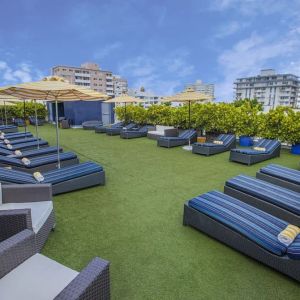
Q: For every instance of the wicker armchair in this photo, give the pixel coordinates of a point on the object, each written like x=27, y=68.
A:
x=26, y=274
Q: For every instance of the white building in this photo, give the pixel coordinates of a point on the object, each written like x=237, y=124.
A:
x=270, y=89
x=205, y=88
x=120, y=85
x=148, y=97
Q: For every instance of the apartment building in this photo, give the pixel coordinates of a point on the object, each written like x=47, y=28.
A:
x=205, y=88
x=120, y=85
x=90, y=75
x=148, y=97
x=270, y=89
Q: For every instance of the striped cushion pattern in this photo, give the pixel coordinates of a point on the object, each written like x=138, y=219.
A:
x=293, y=250
x=187, y=134
x=21, y=141
x=3, y=127
x=17, y=135
x=227, y=139
x=269, y=145
x=258, y=226
x=13, y=176
x=6, y=151
x=71, y=172
x=281, y=172
x=272, y=193
x=25, y=145
x=48, y=159
x=36, y=152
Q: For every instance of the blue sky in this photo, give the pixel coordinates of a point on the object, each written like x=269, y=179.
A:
x=158, y=44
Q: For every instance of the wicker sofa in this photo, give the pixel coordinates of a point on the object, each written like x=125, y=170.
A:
x=26, y=274
x=27, y=206
x=162, y=131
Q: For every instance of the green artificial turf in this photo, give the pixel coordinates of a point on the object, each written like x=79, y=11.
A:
x=135, y=222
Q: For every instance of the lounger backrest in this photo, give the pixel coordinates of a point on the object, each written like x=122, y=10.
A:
x=5, y=151
x=14, y=176
x=144, y=128
x=130, y=126
x=269, y=145
x=269, y=192
x=226, y=138
x=187, y=134
x=282, y=172
x=116, y=125
x=34, y=152
x=260, y=227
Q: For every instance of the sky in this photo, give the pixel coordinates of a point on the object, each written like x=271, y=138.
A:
x=159, y=44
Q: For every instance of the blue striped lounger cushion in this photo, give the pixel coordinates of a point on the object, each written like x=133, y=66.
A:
x=281, y=172
x=37, y=161
x=35, y=152
x=272, y=193
x=269, y=145
x=25, y=145
x=258, y=226
x=55, y=176
x=293, y=250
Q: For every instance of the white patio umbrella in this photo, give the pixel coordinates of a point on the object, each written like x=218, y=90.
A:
x=125, y=99
x=52, y=88
x=189, y=95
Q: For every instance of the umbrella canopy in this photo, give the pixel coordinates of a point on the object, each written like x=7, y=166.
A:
x=188, y=95
x=52, y=88
x=124, y=99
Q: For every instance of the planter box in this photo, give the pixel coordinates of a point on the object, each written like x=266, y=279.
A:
x=295, y=149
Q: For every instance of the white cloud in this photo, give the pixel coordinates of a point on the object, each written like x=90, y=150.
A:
x=161, y=75
x=106, y=50
x=250, y=55
x=22, y=72
x=230, y=28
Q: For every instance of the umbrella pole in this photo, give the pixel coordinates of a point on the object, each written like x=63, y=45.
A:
x=24, y=115
x=2, y=115
x=57, y=136
x=5, y=113
x=36, y=125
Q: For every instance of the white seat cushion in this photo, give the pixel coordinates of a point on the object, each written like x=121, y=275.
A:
x=38, y=278
x=161, y=128
x=156, y=133
x=40, y=211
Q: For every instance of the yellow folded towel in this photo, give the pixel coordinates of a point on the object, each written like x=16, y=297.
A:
x=288, y=235
x=218, y=142
x=6, y=141
x=9, y=146
x=25, y=161
x=259, y=148
x=18, y=153
x=38, y=176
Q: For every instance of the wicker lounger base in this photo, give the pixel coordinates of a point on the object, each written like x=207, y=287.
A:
x=272, y=179
x=264, y=205
x=171, y=143
x=132, y=135
x=79, y=183
x=101, y=129
x=45, y=168
x=250, y=159
x=203, y=150
x=239, y=242
x=113, y=132
x=10, y=130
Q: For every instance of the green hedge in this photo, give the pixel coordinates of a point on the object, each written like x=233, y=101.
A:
x=244, y=119
x=17, y=111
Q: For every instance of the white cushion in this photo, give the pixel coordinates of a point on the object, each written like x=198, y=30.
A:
x=156, y=133
x=161, y=128
x=40, y=211
x=38, y=278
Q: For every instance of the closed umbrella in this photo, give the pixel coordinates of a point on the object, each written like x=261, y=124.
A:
x=52, y=88
x=189, y=95
x=125, y=99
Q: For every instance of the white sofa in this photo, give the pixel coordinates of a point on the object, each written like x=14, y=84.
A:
x=162, y=131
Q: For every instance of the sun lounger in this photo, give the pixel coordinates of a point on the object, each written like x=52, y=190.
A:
x=27, y=206
x=16, y=135
x=140, y=131
x=223, y=143
x=245, y=228
x=38, y=122
x=26, y=274
x=30, y=153
x=63, y=180
x=102, y=129
x=19, y=122
x=117, y=130
x=18, y=141
x=280, y=175
x=24, y=146
x=42, y=164
x=182, y=139
x=262, y=150
x=91, y=125
x=271, y=198
x=8, y=128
